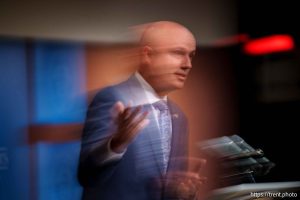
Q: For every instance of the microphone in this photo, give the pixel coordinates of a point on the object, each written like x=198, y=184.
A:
x=256, y=154
x=236, y=157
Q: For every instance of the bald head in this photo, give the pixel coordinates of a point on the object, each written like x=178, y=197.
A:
x=158, y=33
x=167, y=49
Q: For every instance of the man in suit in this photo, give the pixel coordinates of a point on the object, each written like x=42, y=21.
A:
x=135, y=138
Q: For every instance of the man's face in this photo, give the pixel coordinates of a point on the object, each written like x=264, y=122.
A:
x=170, y=61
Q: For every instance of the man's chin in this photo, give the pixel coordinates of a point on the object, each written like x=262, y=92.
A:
x=173, y=87
x=179, y=85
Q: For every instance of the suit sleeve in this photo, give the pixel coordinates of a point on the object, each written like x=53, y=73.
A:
x=95, y=161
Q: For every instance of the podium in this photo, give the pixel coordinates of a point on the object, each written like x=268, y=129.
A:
x=239, y=162
x=272, y=190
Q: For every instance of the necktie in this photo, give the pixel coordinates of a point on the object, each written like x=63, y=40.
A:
x=164, y=121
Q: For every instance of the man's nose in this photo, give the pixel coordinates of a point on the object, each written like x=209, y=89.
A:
x=187, y=63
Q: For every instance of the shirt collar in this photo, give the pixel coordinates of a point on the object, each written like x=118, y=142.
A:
x=149, y=91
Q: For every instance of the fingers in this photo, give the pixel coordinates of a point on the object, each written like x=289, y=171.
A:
x=117, y=108
x=134, y=122
x=189, y=179
x=130, y=121
x=185, y=187
x=195, y=164
x=133, y=113
x=137, y=124
x=189, y=175
x=119, y=111
x=129, y=114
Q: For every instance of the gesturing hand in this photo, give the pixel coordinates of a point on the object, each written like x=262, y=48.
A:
x=185, y=185
x=129, y=121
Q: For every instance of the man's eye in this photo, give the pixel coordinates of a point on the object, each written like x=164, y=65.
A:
x=178, y=52
x=192, y=55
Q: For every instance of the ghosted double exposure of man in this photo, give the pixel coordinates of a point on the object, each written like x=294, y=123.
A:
x=134, y=135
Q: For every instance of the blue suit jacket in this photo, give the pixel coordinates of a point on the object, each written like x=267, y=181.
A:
x=138, y=173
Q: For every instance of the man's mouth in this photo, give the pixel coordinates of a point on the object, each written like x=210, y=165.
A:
x=181, y=75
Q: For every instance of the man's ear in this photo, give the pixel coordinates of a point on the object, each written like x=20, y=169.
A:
x=147, y=52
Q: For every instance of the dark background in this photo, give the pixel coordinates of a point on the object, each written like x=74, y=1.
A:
x=273, y=124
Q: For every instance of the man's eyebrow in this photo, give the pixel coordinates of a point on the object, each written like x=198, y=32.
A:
x=183, y=49
x=180, y=48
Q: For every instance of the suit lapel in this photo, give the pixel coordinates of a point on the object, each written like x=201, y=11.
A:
x=152, y=133
x=148, y=141
x=178, y=135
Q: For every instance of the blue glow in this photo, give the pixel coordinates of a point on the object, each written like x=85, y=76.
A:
x=14, y=173
x=57, y=171
x=59, y=82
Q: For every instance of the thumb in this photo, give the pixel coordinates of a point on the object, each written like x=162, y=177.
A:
x=117, y=109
